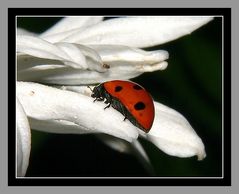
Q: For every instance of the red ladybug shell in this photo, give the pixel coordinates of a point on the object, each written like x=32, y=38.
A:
x=134, y=98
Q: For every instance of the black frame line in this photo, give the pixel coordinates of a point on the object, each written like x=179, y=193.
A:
x=119, y=181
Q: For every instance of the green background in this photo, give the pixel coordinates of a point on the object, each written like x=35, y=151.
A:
x=191, y=84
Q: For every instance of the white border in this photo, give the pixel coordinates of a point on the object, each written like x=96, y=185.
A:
x=137, y=177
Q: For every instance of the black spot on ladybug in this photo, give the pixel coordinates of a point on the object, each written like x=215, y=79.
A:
x=139, y=106
x=118, y=88
x=137, y=87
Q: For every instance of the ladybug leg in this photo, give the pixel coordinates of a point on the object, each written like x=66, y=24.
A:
x=124, y=111
x=107, y=106
x=98, y=99
x=108, y=101
x=125, y=117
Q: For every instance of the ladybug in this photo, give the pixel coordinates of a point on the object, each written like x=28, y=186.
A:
x=130, y=99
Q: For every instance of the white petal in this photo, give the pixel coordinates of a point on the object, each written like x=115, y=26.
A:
x=57, y=126
x=78, y=89
x=173, y=134
x=45, y=103
x=82, y=57
x=69, y=25
x=23, y=140
x=124, y=146
x=116, y=54
x=134, y=148
x=124, y=62
x=39, y=48
x=45, y=53
x=116, y=143
x=69, y=76
x=140, y=150
x=30, y=63
x=21, y=31
x=139, y=31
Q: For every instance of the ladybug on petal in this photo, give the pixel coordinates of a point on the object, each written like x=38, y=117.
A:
x=130, y=99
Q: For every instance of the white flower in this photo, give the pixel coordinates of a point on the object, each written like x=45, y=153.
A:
x=87, y=50
x=23, y=140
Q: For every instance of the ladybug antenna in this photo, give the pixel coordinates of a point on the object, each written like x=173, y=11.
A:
x=90, y=88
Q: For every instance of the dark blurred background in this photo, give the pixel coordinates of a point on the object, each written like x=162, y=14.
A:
x=191, y=84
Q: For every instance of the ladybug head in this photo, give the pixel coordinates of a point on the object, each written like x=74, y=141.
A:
x=97, y=91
